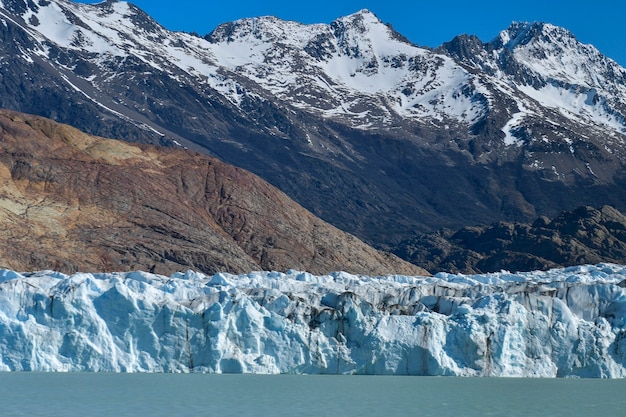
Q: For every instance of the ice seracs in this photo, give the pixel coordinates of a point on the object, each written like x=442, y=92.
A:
x=565, y=322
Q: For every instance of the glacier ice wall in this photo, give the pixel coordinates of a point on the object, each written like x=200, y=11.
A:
x=565, y=322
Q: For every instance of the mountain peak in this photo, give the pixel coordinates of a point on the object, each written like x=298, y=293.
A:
x=95, y=27
x=523, y=33
x=274, y=28
x=556, y=54
x=363, y=33
x=363, y=21
x=264, y=28
x=363, y=15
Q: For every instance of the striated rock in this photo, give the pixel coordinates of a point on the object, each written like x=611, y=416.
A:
x=70, y=201
x=584, y=235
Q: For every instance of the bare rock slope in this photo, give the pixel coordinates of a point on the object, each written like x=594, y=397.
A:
x=70, y=201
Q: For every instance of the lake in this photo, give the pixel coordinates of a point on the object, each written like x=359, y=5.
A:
x=155, y=395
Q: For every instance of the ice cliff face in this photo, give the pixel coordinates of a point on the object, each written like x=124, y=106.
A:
x=567, y=322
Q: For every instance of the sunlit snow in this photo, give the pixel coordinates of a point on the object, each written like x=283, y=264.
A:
x=573, y=104
x=354, y=69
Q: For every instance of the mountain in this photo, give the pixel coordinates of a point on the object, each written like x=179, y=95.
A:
x=582, y=236
x=75, y=202
x=559, y=323
x=382, y=138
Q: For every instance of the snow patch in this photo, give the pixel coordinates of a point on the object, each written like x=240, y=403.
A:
x=515, y=121
x=576, y=104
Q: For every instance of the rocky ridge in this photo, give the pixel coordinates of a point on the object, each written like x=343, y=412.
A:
x=71, y=201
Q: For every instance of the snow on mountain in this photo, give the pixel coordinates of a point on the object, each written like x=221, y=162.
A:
x=561, y=73
x=350, y=62
x=565, y=322
x=554, y=53
x=112, y=31
x=356, y=69
x=352, y=69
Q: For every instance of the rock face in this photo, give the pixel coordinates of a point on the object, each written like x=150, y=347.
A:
x=380, y=137
x=561, y=323
x=582, y=236
x=70, y=201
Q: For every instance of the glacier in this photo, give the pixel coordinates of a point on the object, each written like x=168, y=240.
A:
x=560, y=323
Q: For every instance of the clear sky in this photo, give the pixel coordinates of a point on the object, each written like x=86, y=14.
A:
x=424, y=22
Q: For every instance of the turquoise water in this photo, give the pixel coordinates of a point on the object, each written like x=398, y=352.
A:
x=154, y=395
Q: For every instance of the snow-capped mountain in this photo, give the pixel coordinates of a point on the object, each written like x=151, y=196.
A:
x=356, y=70
x=553, y=76
x=560, y=323
x=376, y=135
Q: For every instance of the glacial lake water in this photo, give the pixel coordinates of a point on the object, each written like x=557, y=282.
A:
x=156, y=395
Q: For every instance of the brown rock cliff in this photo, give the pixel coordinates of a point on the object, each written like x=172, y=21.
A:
x=70, y=201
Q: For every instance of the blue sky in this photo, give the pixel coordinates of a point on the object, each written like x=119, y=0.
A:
x=424, y=22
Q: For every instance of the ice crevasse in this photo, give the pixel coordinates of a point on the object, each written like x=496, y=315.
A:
x=558, y=323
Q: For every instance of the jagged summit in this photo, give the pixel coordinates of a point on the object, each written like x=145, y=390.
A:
x=555, y=53
x=362, y=20
x=265, y=28
x=468, y=50
x=364, y=28
x=349, y=31
x=522, y=33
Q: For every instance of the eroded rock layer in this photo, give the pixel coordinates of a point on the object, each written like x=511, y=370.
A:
x=70, y=201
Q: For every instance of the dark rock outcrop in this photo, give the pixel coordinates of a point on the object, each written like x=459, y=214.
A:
x=582, y=236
